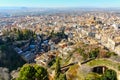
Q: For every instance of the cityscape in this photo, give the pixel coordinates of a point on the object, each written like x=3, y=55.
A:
x=60, y=40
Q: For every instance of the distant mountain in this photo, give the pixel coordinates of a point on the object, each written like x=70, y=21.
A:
x=7, y=8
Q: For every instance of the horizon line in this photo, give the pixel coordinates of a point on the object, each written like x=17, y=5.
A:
x=55, y=7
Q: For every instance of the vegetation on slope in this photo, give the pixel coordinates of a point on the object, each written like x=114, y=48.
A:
x=9, y=58
x=33, y=72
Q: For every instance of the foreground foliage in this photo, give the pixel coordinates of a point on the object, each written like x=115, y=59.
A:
x=30, y=72
x=58, y=74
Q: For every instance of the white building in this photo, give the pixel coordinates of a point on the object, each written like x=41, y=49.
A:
x=116, y=26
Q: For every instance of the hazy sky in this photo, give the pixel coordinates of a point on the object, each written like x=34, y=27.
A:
x=60, y=3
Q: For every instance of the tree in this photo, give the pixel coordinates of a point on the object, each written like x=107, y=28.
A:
x=27, y=72
x=25, y=34
x=58, y=74
x=82, y=53
x=33, y=72
x=109, y=75
x=94, y=53
x=57, y=69
x=41, y=73
x=19, y=35
x=62, y=77
x=109, y=54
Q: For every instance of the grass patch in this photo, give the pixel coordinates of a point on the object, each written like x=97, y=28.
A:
x=104, y=62
x=72, y=72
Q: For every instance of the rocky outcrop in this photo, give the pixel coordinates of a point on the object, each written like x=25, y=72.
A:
x=4, y=74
